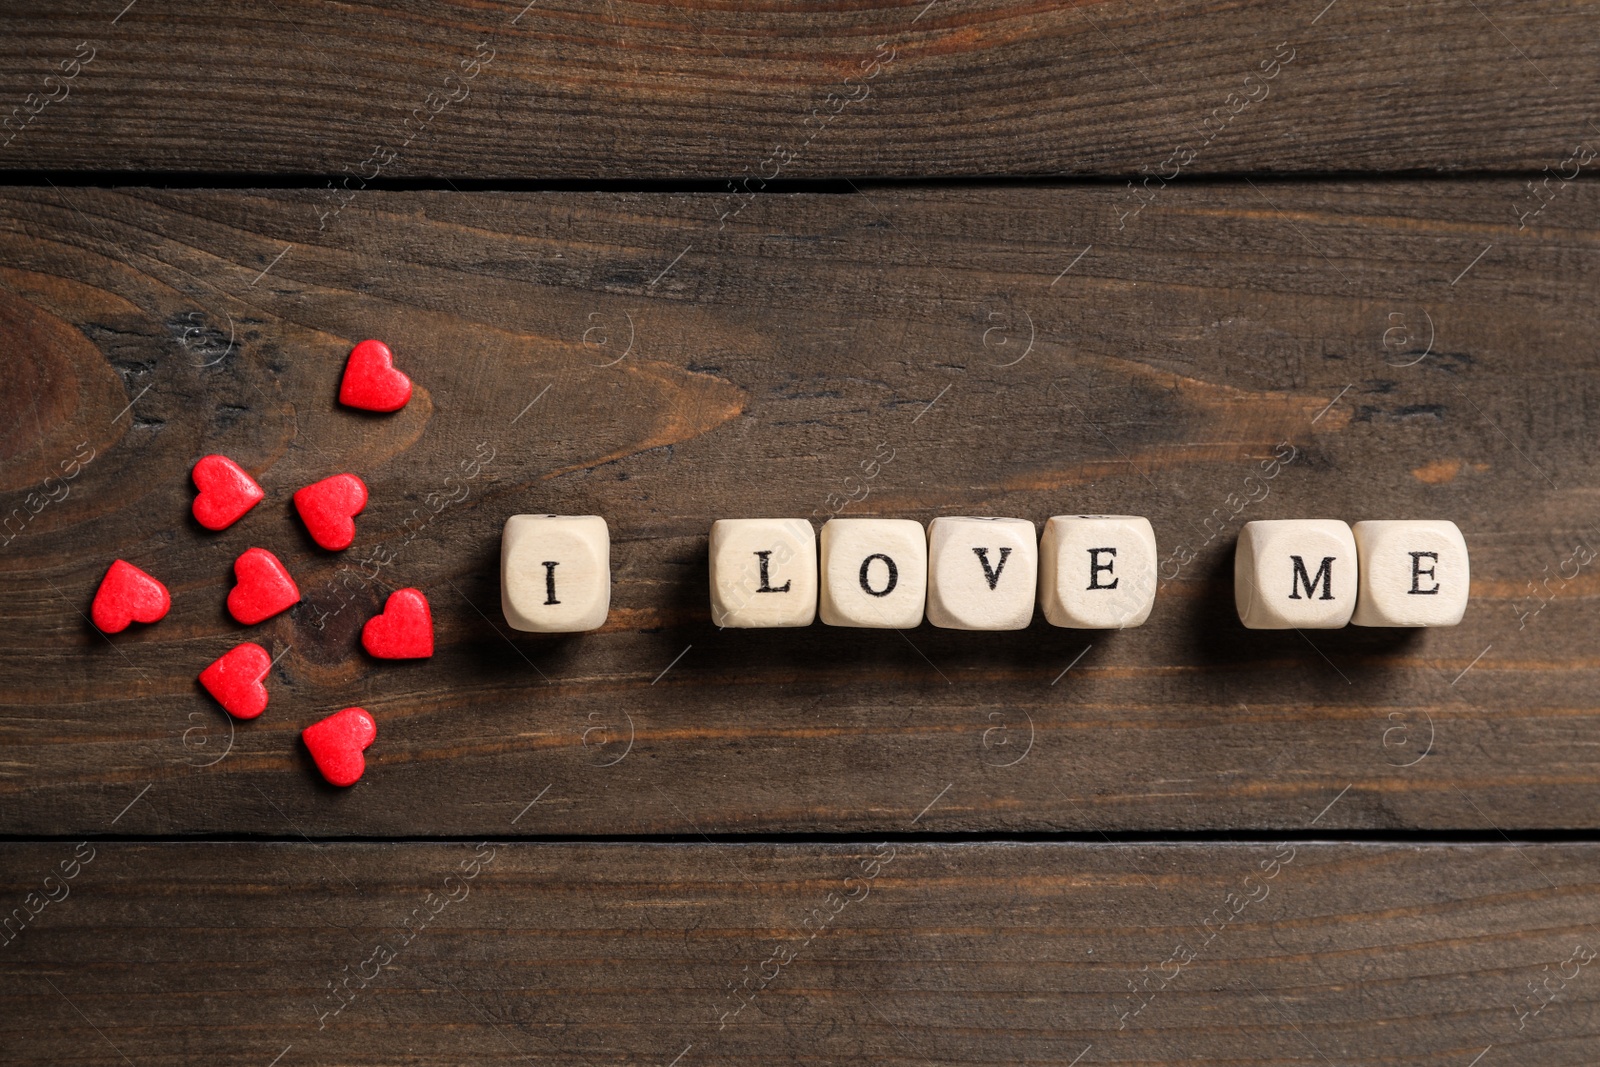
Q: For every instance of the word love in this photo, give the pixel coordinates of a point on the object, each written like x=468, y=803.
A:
x=963, y=573
x=971, y=573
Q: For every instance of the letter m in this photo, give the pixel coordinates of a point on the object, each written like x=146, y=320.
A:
x=1324, y=575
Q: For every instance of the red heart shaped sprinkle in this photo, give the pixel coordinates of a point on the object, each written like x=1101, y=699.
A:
x=127, y=594
x=264, y=587
x=235, y=679
x=226, y=492
x=328, y=508
x=370, y=380
x=404, y=630
x=336, y=744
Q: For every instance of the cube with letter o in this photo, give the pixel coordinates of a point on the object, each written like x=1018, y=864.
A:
x=874, y=573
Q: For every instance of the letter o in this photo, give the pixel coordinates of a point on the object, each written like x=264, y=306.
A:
x=894, y=575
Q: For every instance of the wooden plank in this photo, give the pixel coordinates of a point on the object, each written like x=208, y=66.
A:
x=694, y=955
x=622, y=355
x=890, y=88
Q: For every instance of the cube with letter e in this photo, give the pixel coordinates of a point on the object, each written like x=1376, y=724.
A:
x=1097, y=572
x=1413, y=573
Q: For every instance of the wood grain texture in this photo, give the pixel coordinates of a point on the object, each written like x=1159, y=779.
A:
x=703, y=89
x=1403, y=346
x=963, y=954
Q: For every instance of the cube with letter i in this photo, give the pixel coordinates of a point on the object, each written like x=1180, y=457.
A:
x=982, y=573
x=1295, y=574
x=763, y=572
x=555, y=572
x=1413, y=573
x=874, y=573
x=1097, y=572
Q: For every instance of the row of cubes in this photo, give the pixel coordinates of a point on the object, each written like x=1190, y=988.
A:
x=1095, y=572
x=969, y=573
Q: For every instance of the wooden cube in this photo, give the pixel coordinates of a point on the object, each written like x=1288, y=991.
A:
x=1413, y=573
x=763, y=572
x=1097, y=572
x=982, y=573
x=555, y=572
x=1295, y=574
x=874, y=573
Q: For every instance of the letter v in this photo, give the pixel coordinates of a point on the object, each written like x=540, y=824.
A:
x=992, y=575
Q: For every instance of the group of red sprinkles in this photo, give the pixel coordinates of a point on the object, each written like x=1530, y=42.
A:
x=264, y=588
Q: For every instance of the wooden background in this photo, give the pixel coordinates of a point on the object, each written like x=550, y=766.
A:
x=673, y=262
